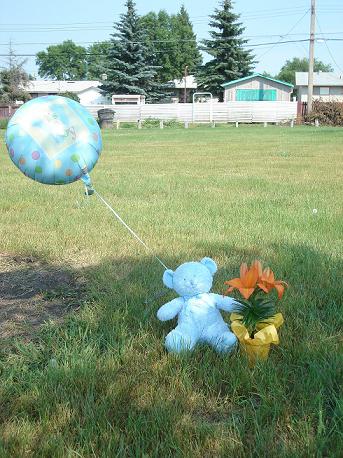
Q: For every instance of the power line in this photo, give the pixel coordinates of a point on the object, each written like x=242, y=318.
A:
x=202, y=48
x=291, y=30
x=243, y=13
x=323, y=34
x=101, y=25
x=327, y=47
x=110, y=27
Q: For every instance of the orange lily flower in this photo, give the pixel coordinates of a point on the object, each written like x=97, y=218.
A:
x=258, y=266
x=267, y=282
x=246, y=284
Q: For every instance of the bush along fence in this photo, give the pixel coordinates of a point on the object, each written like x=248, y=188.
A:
x=325, y=113
x=234, y=112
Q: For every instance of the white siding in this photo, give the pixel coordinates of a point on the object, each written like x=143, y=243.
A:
x=92, y=96
x=282, y=92
x=336, y=94
x=247, y=112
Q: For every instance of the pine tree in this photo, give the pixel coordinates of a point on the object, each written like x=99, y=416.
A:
x=230, y=60
x=14, y=80
x=128, y=67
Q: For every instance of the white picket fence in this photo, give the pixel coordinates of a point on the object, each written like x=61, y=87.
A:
x=245, y=112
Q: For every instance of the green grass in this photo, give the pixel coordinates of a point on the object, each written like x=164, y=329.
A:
x=232, y=194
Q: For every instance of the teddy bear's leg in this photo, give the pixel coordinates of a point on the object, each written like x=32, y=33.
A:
x=221, y=338
x=180, y=339
x=226, y=342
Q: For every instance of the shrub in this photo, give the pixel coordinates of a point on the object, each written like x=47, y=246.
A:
x=173, y=123
x=327, y=113
x=151, y=122
x=70, y=95
x=3, y=123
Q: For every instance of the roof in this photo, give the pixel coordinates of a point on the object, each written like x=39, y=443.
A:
x=46, y=86
x=319, y=79
x=180, y=84
x=255, y=75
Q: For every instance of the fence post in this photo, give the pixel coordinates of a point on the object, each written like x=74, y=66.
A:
x=292, y=122
x=265, y=124
x=161, y=124
x=316, y=122
x=117, y=124
x=213, y=125
x=186, y=124
x=236, y=123
x=139, y=124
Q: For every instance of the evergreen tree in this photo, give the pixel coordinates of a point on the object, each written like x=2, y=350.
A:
x=14, y=80
x=128, y=67
x=229, y=58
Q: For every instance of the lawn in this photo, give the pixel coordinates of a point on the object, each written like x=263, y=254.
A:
x=100, y=384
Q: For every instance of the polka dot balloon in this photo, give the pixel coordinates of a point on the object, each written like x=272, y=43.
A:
x=53, y=140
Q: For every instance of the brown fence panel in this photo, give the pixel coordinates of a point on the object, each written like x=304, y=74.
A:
x=6, y=111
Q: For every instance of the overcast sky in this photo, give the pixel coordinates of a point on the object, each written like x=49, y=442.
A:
x=32, y=25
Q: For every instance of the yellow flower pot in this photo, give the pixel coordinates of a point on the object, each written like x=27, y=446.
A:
x=257, y=347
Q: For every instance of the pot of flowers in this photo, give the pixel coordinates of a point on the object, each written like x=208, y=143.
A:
x=255, y=321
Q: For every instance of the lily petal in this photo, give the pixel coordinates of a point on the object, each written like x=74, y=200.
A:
x=258, y=266
x=280, y=289
x=243, y=269
x=250, y=278
x=246, y=292
x=229, y=290
x=235, y=282
x=263, y=287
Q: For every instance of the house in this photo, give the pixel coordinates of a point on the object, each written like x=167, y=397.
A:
x=257, y=87
x=176, y=88
x=128, y=99
x=326, y=86
x=87, y=91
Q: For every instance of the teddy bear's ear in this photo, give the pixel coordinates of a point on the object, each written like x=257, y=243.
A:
x=210, y=264
x=168, y=278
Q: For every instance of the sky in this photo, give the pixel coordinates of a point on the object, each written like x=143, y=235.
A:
x=32, y=25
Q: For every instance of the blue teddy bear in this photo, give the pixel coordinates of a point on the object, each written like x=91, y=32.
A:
x=199, y=318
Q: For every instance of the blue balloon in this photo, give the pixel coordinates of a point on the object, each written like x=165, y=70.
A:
x=53, y=140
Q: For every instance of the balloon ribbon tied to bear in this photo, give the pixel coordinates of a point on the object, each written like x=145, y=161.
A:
x=197, y=310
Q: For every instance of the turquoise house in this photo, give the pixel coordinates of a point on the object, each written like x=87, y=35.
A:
x=257, y=87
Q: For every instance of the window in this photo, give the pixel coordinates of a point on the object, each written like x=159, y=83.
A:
x=324, y=91
x=251, y=95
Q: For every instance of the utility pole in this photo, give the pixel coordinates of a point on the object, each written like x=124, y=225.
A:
x=185, y=90
x=311, y=57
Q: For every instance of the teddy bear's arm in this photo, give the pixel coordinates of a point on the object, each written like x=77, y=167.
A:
x=169, y=310
x=225, y=303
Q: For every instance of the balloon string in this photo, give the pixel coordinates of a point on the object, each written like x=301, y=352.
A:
x=129, y=229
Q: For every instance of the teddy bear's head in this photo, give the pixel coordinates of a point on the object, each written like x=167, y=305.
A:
x=191, y=278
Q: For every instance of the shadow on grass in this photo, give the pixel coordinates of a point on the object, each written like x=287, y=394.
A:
x=102, y=384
